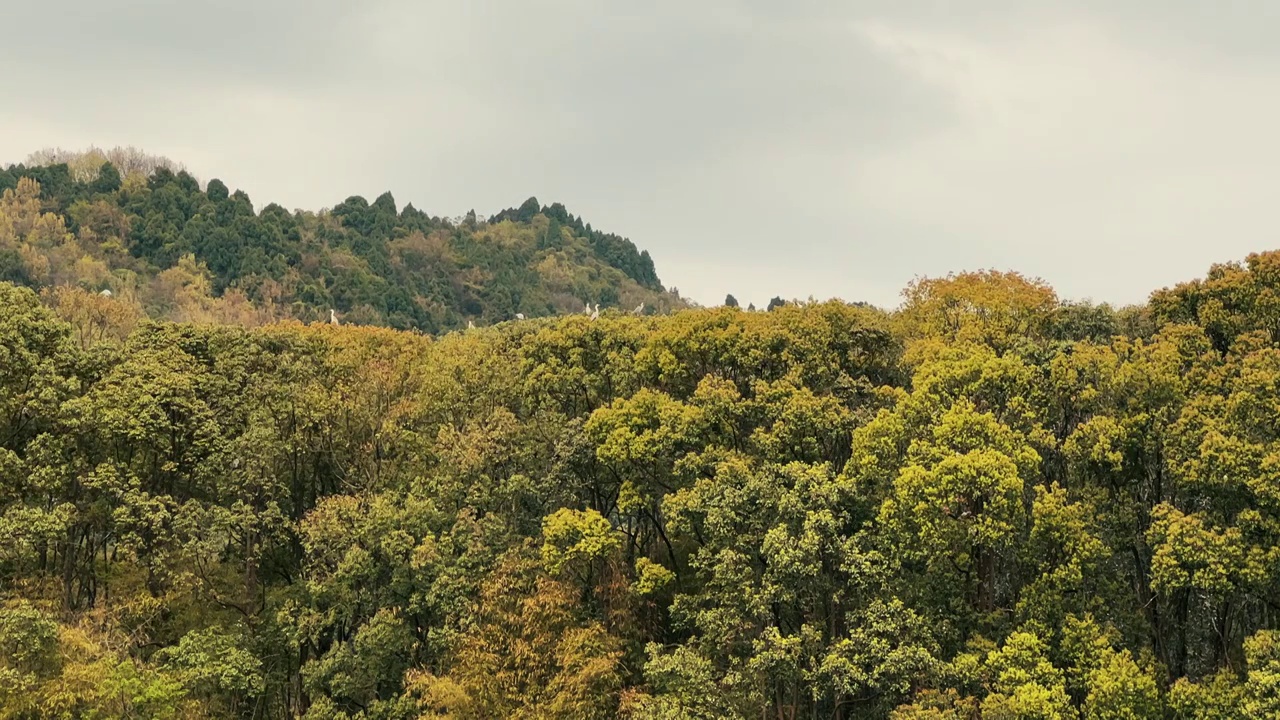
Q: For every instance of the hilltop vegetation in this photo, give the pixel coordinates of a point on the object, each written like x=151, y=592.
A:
x=144, y=229
x=990, y=504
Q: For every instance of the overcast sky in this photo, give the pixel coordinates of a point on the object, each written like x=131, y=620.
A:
x=800, y=148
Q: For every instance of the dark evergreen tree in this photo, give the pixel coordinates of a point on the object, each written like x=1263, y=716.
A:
x=528, y=210
x=108, y=180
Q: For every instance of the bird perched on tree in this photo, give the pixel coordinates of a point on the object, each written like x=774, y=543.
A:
x=587, y=310
x=105, y=293
x=471, y=325
x=333, y=317
x=519, y=316
x=639, y=309
x=595, y=314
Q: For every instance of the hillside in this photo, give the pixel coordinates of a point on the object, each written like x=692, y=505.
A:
x=144, y=229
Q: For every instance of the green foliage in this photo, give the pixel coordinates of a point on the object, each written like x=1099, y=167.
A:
x=1120, y=690
x=990, y=504
x=1024, y=684
x=576, y=537
x=28, y=639
x=214, y=662
x=1262, y=686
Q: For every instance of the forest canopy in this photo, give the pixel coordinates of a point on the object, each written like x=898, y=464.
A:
x=988, y=503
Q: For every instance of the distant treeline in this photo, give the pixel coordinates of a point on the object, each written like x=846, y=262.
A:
x=147, y=232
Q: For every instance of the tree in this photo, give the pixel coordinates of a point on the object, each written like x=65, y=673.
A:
x=217, y=190
x=1023, y=683
x=528, y=210
x=1121, y=690
x=991, y=308
x=528, y=653
x=108, y=180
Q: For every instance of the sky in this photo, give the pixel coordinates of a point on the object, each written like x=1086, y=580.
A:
x=808, y=148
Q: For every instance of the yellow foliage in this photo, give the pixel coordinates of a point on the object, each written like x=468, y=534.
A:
x=996, y=309
x=94, y=318
x=528, y=655
x=36, y=263
x=21, y=205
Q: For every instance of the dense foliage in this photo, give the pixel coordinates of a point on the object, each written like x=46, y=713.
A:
x=989, y=504
x=154, y=238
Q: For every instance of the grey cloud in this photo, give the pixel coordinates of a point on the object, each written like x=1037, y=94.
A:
x=1242, y=30
x=754, y=147
x=282, y=40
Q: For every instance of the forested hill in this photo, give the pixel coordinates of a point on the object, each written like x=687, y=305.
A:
x=144, y=229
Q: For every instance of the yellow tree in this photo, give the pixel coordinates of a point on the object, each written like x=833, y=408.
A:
x=529, y=654
x=997, y=309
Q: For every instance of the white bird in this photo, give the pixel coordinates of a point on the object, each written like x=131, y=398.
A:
x=471, y=325
x=333, y=317
x=639, y=309
x=519, y=316
x=587, y=311
x=105, y=293
x=595, y=314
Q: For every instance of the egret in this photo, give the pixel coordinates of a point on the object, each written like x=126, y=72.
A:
x=519, y=316
x=333, y=317
x=595, y=314
x=105, y=293
x=639, y=309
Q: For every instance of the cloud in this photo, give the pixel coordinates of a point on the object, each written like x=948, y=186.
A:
x=298, y=42
x=759, y=148
x=1106, y=167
